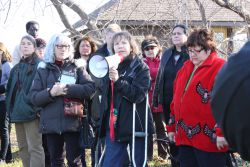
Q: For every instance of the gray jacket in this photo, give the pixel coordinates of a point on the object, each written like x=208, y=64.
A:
x=52, y=118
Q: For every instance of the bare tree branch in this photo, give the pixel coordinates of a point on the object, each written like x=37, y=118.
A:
x=202, y=11
x=239, y=9
x=8, y=11
x=63, y=17
x=78, y=8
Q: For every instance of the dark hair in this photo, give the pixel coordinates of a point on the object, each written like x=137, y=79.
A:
x=149, y=40
x=40, y=43
x=202, y=37
x=185, y=29
x=28, y=24
x=77, y=54
x=30, y=38
x=129, y=37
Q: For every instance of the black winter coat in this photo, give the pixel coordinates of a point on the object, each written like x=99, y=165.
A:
x=52, y=118
x=131, y=87
x=158, y=94
x=230, y=101
x=98, y=104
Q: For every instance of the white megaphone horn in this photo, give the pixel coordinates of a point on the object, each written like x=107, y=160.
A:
x=99, y=65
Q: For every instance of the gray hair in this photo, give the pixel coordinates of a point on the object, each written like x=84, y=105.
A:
x=112, y=28
x=49, y=55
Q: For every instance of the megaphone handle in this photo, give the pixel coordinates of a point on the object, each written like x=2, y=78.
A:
x=111, y=119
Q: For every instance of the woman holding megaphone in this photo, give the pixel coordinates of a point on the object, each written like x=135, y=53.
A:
x=131, y=82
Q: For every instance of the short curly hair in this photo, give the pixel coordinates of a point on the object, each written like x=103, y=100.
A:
x=40, y=43
x=28, y=24
x=202, y=37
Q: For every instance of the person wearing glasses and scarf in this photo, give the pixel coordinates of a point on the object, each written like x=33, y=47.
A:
x=192, y=125
x=151, y=51
x=59, y=81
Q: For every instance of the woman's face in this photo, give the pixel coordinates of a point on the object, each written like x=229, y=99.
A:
x=27, y=47
x=198, y=55
x=85, y=48
x=179, y=38
x=151, y=51
x=40, y=52
x=122, y=46
x=62, y=51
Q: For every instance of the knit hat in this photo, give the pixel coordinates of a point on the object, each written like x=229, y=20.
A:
x=230, y=101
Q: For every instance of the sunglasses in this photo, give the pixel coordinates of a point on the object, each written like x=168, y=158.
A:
x=150, y=48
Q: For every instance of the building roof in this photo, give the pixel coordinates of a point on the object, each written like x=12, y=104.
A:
x=136, y=11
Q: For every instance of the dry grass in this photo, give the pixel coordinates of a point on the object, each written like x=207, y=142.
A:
x=154, y=163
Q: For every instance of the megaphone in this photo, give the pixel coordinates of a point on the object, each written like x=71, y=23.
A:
x=99, y=65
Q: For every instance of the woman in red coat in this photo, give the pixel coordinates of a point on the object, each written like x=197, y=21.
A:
x=192, y=125
x=152, y=51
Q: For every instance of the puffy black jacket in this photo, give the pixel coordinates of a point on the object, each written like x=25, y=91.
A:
x=52, y=118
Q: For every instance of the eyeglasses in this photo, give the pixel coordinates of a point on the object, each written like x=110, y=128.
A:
x=149, y=48
x=62, y=46
x=195, y=50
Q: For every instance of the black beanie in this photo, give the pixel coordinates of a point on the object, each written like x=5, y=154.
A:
x=231, y=101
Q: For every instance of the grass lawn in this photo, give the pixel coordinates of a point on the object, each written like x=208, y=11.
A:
x=154, y=163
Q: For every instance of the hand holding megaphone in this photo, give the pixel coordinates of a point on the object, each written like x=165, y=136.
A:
x=113, y=74
x=99, y=66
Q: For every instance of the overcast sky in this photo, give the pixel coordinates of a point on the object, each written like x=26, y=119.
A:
x=13, y=29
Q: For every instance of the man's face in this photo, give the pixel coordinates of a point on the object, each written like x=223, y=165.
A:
x=33, y=30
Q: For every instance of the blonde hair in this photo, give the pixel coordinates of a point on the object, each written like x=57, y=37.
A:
x=6, y=56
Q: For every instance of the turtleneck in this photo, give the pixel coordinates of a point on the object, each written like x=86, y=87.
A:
x=59, y=63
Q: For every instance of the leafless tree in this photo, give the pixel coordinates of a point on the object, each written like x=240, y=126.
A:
x=77, y=8
x=237, y=6
x=203, y=13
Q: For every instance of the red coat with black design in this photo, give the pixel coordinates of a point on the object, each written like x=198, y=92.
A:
x=191, y=114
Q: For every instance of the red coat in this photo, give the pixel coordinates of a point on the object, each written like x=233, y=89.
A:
x=153, y=65
x=191, y=114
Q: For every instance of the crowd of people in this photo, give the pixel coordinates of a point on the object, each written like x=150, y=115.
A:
x=60, y=108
